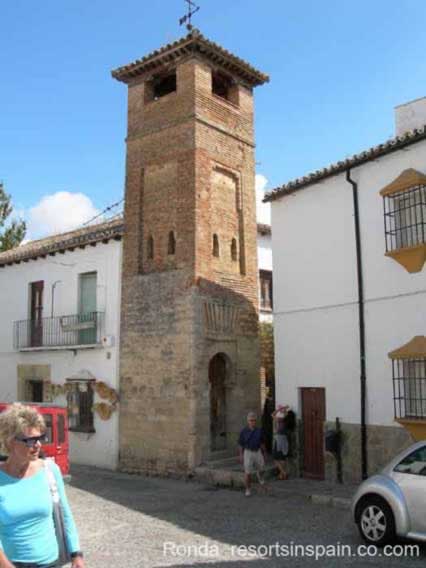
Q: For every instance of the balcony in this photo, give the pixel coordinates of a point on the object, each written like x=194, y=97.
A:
x=79, y=331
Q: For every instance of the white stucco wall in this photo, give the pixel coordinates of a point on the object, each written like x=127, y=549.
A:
x=315, y=291
x=410, y=115
x=101, y=448
x=264, y=251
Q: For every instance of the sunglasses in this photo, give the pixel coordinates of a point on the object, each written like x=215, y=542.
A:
x=32, y=441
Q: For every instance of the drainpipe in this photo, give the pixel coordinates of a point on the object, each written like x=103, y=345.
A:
x=363, y=376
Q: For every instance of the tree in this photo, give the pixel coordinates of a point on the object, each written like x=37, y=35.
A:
x=12, y=232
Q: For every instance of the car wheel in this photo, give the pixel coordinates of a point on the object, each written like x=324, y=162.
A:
x=375, y=521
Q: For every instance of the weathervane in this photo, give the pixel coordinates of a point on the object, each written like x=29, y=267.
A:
x=192, y=8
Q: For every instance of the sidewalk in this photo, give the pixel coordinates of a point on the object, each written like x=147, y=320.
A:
x=228, y=473
x=319, y=492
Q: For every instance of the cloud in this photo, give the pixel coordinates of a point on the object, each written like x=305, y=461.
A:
x=263, y=210
x=62, y=211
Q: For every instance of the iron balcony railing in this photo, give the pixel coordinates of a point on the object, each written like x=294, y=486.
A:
x=59, y=331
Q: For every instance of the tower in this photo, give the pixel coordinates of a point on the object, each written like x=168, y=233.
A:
x=189, y=310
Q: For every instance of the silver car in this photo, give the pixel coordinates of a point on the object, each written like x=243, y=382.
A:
x=393, y=502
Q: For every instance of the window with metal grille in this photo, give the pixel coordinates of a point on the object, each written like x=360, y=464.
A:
x=80, y=406
x=265, y=281
x=409, y=388
x=405, y=218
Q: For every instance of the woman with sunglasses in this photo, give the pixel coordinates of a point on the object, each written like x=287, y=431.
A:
x=27, y=532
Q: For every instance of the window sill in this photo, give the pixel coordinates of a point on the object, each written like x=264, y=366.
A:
x=415, y=426
x=226, y=101
x=83, y=430
x=152, y=101
x=411, y=258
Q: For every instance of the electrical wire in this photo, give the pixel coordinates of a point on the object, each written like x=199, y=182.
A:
x=102, y=213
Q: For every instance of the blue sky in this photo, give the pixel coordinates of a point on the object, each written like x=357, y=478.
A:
x=337, y=70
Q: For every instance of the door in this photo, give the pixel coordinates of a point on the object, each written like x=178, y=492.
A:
x=410, y=474
x=87, y=308
x=36, y=313
x=217, y=379
x=313, y=416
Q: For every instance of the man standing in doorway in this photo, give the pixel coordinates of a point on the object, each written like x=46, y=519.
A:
x=251, y=451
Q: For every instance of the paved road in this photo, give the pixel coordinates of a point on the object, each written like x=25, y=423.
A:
x=136, y=522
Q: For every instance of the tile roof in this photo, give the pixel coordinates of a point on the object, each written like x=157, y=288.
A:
x=194, y=42
x=101, y=232
x=391, y=145
x=79, y=238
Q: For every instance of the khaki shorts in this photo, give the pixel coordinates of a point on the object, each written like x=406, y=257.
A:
x=253, y=461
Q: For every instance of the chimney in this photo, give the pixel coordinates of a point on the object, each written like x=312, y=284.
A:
x=409, y=116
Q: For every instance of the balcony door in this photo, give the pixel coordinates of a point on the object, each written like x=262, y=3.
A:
x=36, y=313
x=87, y=308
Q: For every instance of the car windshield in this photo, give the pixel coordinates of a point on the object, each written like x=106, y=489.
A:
x=414, y=463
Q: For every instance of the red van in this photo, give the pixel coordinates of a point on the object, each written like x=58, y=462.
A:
x=57, y=444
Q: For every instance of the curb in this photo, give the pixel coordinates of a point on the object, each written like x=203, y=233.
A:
x=337, y=502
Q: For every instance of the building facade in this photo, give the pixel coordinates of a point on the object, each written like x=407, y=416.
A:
x=349, y=317
x=59, y=333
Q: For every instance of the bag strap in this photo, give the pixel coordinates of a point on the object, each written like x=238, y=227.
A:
x=52, y=482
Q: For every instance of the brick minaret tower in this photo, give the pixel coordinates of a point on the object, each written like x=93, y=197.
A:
x=189, y=312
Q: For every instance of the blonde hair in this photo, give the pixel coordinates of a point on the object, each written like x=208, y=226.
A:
x=15, y=419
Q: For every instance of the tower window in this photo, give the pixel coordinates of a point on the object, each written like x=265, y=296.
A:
x=171, y=247
x=150, y=252
x=216, y=246
x=224, y=87
x=234, y=249
x=160, y=86
x=265, y=281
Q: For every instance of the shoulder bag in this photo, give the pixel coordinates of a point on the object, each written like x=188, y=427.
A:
x=58, y=516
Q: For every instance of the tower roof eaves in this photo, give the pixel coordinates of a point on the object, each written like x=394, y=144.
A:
x=192, y=42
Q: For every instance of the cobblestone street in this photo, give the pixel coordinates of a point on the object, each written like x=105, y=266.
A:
x=130, y=522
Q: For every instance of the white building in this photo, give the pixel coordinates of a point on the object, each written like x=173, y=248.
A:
x=335, y=332
x=59, y=330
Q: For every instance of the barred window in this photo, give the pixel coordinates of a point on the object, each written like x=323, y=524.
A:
x=409, y=385
x=80, y=406
x=405, y=218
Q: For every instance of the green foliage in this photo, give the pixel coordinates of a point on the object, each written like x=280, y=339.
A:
x=266, y=330
x=12, y=232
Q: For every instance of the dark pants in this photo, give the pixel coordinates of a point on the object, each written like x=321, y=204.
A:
x=32, y=565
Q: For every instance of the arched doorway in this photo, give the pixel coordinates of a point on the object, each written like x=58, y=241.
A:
x=217, y=380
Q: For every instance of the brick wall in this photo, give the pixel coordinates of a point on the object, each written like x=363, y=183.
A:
x=190, y=170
